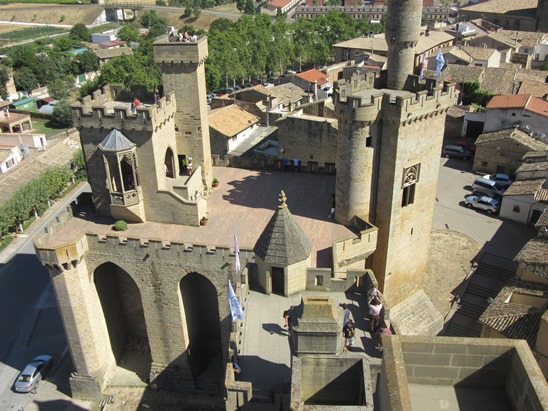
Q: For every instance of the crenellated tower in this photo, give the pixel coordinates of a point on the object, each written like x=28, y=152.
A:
x=389, y=144
x=183, y=73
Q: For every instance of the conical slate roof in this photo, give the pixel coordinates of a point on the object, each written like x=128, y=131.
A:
x=115, y=141
x=283, y=241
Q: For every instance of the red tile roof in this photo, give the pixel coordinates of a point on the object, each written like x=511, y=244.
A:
x=314, y=75
x=527, y=101
x=278, y=3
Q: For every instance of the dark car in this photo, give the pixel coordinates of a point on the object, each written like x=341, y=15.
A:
x=467, y=146
x=33, y=373
x=456, y=151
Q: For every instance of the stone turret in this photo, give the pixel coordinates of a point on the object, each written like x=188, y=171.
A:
x=403, y=24
x=282, y=253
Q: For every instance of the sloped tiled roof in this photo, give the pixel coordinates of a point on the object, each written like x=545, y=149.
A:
x=527, y=101
x=535, y=166
x=534, y=252
x=478, y=53
x=283, y=241
x=513, y=320
x=524, y=187
x=543, y=220
x=314, y=75
x=231, y=120
x=498, y=80
x=460, y=74
x=511, y=7
x=532, y=156
x=286, y=92
x=111, y=53
x=115, y=141
x=535, y=88
x=514, y=134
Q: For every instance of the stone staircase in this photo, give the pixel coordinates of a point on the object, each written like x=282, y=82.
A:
x=489, y=277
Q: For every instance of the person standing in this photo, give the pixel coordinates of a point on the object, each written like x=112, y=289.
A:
x=346, y=313
x=380, y=332
x=348, y=334
x=375, y=307
x=287, y=318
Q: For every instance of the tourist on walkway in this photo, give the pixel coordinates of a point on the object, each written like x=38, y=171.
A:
x=346, y=313
x=348, y=334
x=287, y=318
x=380, y=332
x=375, y=307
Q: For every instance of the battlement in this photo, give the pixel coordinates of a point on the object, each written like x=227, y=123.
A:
x=169, y=53
x=357, y=100
x=101, y=111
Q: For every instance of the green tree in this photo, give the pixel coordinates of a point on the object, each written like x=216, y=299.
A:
x=88, y=62
x=249, y=7
x=62, y=114
x=24, y=79
x=88, y=87
x=474, y=94
x=4, y=77
x=65, y=44
x=60, y=86
x=197, y=11
x=155, y=24
x=129, y=33
x=240, y=5
x=80, y=32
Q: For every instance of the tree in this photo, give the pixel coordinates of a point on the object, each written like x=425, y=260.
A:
x=197, y=11
x=4, y=77
x=65, y=43
x=155, y=24
x=88, y=62
x=249, y=7
x=129, y=33
x=25, y=80
x=62, y=114
x=80, y=32
x=240, y=5
x=60, y=86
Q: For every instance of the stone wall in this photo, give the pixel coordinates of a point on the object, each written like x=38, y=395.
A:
x=499, y=157
x=308, y=138
x=350, y=253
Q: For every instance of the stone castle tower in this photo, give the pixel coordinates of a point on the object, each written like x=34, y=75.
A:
x=183, y=74
x=389, y=145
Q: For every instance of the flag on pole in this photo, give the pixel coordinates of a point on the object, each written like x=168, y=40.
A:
x=423, y=65
x=237, y=252
x=441, y=62
x=235, y=309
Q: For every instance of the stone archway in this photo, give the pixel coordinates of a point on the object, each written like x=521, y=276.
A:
x=201, y=307
x=123, y=311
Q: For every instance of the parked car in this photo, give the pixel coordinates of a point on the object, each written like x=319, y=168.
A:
x=489, y=187
x=456, y=151
x=33, y=373
x=488, y=204
x=502, y=179
x=467, y=146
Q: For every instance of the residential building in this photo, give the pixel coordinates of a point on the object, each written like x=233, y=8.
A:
x=105, y=54
x=502, y=151
x=10, y=156
x=526, y=15
x=229, y=127
x=517, y=110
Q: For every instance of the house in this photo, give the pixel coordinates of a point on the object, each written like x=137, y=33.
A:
x=534, y=165
x=10, y=156
x=306, y=79
x=26, y=141
x=105, y=54
x=467, y=55
x=429, y=43
x=501, y=151
x=527, y=15
x=283, y=5
x=535, y=88
x=15, y=122
x=534, y=44
x=229, y=127
x=109, y=35
x=517, y=110
x=525, y=200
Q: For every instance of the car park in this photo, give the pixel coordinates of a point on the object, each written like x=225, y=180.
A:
x=486, y=186
x=502, y=179
x=456, y=151
x=34, y=372
x=485, y=203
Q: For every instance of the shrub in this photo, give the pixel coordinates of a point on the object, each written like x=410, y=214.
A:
x=120, y=225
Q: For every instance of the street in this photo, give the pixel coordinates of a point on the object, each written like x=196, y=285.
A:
x=30, y=321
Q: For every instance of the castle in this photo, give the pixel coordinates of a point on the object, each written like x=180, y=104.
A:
x=146, y=289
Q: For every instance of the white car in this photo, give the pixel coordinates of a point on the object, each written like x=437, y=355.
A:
x=502, y=179
x=488, y=204
x=33, y=373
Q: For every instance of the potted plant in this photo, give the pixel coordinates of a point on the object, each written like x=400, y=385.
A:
x=204, y=220
x=215, y=183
